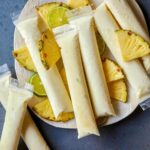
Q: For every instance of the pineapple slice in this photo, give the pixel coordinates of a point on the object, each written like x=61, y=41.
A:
x=132, y=46
x=48, y=10
x=64, y=78
x=23, y=57
x=49, y=50
x=62, y=72
x=112, y=71
x=77, y=3
x=44, y=109
x=118, y=90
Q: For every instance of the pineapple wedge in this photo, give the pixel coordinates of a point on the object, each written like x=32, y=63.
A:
x=64, y=78
x=112, y=71
x=62, y=72
x=126, y=14
x=23, y=57
x=132, y=46
x=45, y=10
x=118, y=90
x=77, y=3
x=44, y=109
x=49, y=50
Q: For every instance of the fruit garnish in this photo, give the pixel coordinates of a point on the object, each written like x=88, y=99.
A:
x=49, y=50
x=38, y=86
x=57, y=17
x=118, y=90
x=112, y=71
x=53, y=14
x=44, y=109
x=132, y=45
x=64, y=78
x=77, y=3
x=62, y=72
x=22, y=55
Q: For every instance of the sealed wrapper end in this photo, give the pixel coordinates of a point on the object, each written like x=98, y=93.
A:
x=134, y=70
x=5, y=75
x=30, y=133
x=145, y=105
x=144, y=102
x=83, y=19
x=128, y=20
x=15, y=112
x=67, y=38
x=51, y=79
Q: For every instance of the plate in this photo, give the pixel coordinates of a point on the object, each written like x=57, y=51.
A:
x=122, y=109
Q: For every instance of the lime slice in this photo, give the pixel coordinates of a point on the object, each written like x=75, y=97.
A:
x=57, y=17
x=101, y=43
x=38, y=86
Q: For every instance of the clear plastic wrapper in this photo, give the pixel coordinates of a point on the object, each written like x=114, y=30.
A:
x=16, y=109
x=128, y=20
x=83, y=19
x=50, y=78
x=145, y=104
x=68, y=40
x=134, y=70
x=5, y=76
x=29, y=132
x=135, y=73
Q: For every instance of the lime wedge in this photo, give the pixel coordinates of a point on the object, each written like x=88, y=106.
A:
x=57, y=17
x=38, y=86
x=101, y=43
x=47, y=14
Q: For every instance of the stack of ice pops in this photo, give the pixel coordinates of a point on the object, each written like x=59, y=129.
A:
x=88, y=94
x=14, y=98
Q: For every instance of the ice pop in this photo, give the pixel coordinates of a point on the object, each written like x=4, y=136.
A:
x=134, y=71
x=83, y=19
x=127, y=19
x=51, y=79
x=67, y=38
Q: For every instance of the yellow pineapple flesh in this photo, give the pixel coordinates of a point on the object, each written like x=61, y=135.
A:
x=118, y=90
x=132, y=45
x=112, y=71
x=77, y=3
x=49, y=49
x=22, y=55
x=44, y=109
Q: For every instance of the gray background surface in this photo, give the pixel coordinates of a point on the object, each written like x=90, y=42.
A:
x=133, y=133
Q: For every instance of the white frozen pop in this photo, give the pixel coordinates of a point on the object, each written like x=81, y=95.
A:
x=67, y=38
x=30, y=133
x=51, y=79
x=134, y=70
x=18, y=98
x=128, y=20
x=83, y=19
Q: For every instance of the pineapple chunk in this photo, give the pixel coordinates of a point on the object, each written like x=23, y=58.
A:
x=62, y=72
x=23, y=57
x=118, y=90
x=44, y=109
x=132, y=46
x=64, y=78
x=45, y=10
x=77, y=3
x=49, y=50
x=112, y=71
